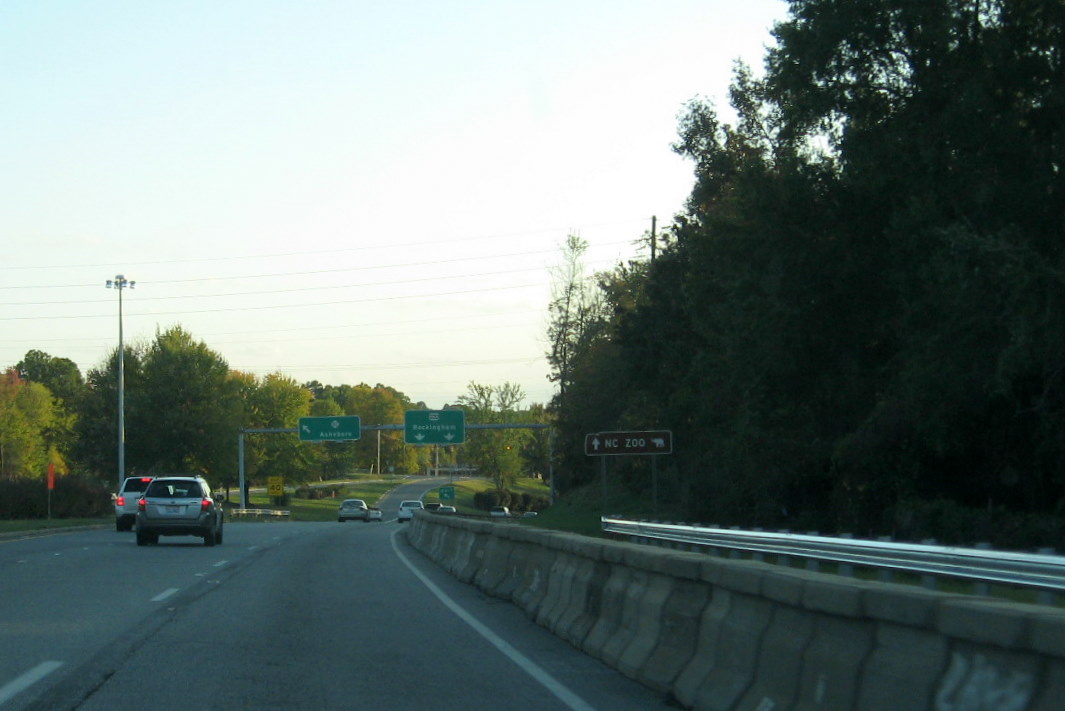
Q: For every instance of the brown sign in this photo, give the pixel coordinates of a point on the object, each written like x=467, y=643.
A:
x=608, y=443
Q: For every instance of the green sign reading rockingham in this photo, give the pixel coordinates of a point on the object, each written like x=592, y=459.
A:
x=434, y=427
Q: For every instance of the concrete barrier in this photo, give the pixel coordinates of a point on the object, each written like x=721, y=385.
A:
x=735, y=635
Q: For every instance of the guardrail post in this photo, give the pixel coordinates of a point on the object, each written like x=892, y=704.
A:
x=886, y=575
x=846, y=569
x=980, y=587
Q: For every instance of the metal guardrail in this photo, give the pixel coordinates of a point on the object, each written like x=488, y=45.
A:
x=1044, y=572
x=258, y=513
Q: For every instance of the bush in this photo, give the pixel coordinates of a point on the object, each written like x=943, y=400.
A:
x=313, y=493
x=516, y=502
x=74, y=496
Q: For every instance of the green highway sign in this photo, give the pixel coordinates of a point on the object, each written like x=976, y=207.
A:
x=447, y=493
x=434, y=427
x=330, y=429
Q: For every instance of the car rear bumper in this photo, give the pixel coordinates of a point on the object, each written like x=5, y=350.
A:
x=187, y=527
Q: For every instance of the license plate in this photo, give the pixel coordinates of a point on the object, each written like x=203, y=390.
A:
x=173, y=509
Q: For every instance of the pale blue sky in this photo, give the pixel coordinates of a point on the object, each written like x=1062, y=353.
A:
x=341, y=191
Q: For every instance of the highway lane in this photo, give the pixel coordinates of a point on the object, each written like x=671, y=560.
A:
x=281, y=616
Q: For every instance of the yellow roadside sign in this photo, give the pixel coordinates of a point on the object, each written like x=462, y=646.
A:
x=275, y=486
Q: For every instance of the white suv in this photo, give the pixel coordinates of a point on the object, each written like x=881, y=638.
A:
x=126, y=501
x=406, y=510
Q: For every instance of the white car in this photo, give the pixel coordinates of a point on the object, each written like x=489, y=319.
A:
x=353, y=510
x=406, y=510
x=499, y=512
x=126, y=501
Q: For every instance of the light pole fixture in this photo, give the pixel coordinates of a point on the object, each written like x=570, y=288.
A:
x=120, y=282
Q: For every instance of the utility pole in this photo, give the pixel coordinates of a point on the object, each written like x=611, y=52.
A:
x=120, y=282
x=654, y=225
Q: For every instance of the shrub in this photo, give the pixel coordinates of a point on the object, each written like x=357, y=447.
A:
x=74, y=496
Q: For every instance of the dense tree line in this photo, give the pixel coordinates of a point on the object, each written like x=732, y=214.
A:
x=184, y=409
x=858, y=321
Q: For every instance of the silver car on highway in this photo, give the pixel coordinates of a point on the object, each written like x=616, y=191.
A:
x=179, y=506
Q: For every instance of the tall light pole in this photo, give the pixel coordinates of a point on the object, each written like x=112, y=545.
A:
x=120, y=282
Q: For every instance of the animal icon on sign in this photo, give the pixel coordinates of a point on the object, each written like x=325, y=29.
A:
x=659, y=442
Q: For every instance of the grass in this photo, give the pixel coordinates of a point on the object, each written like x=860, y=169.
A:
x=40, y=524
x=325, y=509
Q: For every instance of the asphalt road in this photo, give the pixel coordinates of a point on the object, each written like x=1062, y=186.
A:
x=280, y=616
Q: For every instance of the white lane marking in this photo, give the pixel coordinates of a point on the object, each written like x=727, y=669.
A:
x=164, y=595
x=220, y=563
x=561, y=692
x=26, y=680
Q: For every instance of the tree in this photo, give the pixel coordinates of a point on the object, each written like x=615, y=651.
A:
x=60, y=375
x=27, y=411
x=496, y=453
x=862, y=308
x=381, y=405
x=574, y=310
x=96, y=441
x=279, y=401
x=185, y=409
x=63, y=379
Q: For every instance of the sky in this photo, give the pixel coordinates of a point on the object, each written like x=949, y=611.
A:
x=341, y=190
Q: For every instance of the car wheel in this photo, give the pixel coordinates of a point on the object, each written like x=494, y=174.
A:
x=208, y=538
x=118, y=525
x=142, y=540
x=153, y=538
x=218, y=536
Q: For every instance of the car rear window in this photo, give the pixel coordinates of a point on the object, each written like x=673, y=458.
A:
x=138, y=484
x=175, y=489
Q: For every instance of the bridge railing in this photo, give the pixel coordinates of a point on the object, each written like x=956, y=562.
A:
x=1043, y=572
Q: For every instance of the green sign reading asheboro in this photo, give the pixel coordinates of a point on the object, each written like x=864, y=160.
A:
x=330, y=429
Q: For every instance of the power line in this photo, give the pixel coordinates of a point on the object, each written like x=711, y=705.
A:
x=302, y=253
x=280, y=306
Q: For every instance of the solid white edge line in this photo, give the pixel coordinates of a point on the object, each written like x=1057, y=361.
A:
x=26, y=680
x=164, y=595
x=561, y=692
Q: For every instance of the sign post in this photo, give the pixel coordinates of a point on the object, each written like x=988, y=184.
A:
x=605, y=444
x=330, y=429
x=51, y=487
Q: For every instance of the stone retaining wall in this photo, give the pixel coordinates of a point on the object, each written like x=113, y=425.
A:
x=733, y=635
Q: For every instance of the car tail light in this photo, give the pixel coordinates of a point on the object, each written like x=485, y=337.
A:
x=205, y=503
x=121, y=501
x=146, y=479
x=141, y=505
